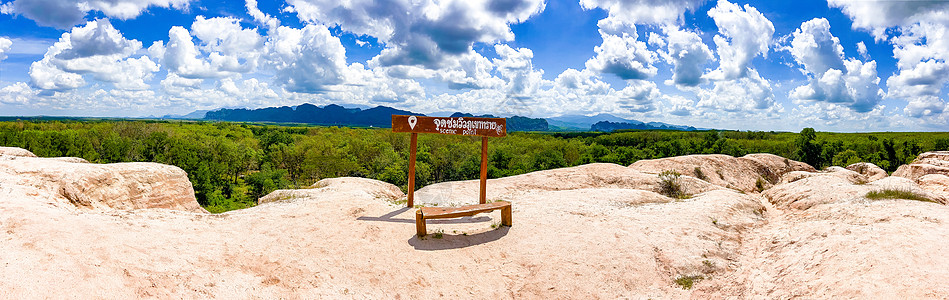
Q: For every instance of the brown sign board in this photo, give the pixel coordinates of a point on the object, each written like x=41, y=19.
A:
x=487, y=127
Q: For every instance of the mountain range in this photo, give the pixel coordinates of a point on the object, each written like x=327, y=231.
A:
x=380, y=116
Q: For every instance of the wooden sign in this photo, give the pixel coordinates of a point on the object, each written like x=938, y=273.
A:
x=486, y=127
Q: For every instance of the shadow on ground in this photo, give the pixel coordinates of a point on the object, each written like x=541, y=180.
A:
x=389, y=217
x=456, y=241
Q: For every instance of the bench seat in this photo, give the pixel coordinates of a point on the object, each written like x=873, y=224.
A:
x=425, y=213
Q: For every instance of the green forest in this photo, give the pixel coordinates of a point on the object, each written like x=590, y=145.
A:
x=233, y=164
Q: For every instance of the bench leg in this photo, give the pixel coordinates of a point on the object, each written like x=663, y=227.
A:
x=420, y=223
x=506, y=216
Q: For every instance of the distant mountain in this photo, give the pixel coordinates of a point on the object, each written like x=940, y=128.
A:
x=331, y=115
x=515, y=123
x=195, y=115
x=612, y=126
x=583, y=123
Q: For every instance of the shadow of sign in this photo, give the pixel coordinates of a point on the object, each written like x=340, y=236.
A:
x=390, y=217
x=456, y=241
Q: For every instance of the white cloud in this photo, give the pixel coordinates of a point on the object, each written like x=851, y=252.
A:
x=832, y=78
x=878, y=15
x=225, y=49
x=638, y=96
x=644, y=11
x=862, y=50
x=306, y=60
x=623, y=55
x=17, y=94
x=66, y=13
x=743, y=35
x=516, y=66
x=743, y=94
x=687, y=53
x=421, y=33
x=678, y=105
x=5, y=44
x=97, y=49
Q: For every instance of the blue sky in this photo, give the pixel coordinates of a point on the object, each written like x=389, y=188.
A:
x=766, y=65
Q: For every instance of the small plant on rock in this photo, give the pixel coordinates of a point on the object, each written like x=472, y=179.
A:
x=760, y=184
x=699, y=174
x=686, y=282
x=669, y=184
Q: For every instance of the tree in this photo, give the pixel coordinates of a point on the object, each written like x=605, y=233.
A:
x=808, y=149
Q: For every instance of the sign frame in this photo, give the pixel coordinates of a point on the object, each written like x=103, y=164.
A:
x=470, y=126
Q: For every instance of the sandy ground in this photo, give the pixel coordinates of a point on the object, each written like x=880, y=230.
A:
x=591, y=232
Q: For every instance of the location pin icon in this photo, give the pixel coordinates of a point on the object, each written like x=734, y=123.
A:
x=412, y=121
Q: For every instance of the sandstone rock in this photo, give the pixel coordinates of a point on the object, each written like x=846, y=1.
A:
x=121, y=186
x=342, y=186
x=11, y=152
x=873, y=172
x=846, y=174
x=741, y=173
x=831, y=187
x=927, y=163
x=597, y=175
x=935, y=183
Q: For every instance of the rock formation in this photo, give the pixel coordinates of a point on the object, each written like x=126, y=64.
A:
x=73, y=182
x=592, y=231
x=750, y=173
x=927, y=163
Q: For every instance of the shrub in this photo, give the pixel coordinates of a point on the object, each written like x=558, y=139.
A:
x=669, y=184
x=896, y=194
x=699, y=174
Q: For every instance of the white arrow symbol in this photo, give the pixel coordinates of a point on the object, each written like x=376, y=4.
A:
x=412, y=121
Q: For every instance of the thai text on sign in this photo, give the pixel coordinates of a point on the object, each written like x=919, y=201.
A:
x=488, y=127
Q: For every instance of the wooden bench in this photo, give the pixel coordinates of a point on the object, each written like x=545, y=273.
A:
x=426, y=213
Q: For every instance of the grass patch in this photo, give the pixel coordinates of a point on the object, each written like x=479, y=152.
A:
x=686, y=282
x=669, y=185
x=896, y=194
x=439, y=234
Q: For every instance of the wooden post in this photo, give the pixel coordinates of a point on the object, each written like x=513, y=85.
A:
x=420, y=223
x=412, y=147
x=484, y=169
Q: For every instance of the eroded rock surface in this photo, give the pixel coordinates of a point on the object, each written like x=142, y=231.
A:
x=587, y=232
x=871, y=171
x=927, y=163
x=75, y=182
x=750, y=173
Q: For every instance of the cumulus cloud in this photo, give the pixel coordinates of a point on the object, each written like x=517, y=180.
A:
x=97, y=49
x=66, y=13
x=687, y=53
x=832, y=78
x=743, y=94
x=307, y=59
x=878, y=15
x=5, y=44
x=643, y=11
x=624, y=56
x=17, y=94
x=225, y=49
x=744, y=33
x=516, y=66
x=678, y=105
x=421, y=33
x=638, y=96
